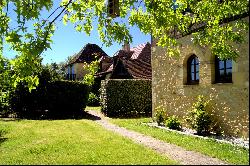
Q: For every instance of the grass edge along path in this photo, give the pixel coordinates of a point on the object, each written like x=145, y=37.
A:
x=93, y=108
x=185, y=157
x=209, y=147
x=70, y=142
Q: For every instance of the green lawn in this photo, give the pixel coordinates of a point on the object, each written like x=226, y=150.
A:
x=223, y=151
x=88, y=108
x=69, y=142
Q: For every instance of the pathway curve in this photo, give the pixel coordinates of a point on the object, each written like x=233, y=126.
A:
x=174, y=152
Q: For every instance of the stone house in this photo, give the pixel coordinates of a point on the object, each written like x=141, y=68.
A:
x=88, y=54
x=177, y=81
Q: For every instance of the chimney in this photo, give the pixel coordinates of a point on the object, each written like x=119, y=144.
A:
x=126, y=46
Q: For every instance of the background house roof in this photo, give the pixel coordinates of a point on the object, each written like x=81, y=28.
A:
x=138, y=68
x=88, y=53
x=136, y=61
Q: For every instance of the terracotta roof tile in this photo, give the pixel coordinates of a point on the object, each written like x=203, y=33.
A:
x=137, y=61
x=87, y=54
x=138, y=68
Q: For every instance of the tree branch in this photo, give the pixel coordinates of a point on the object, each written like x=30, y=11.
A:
x=50, y=23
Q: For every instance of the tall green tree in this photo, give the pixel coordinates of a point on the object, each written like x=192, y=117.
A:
x=160, y=18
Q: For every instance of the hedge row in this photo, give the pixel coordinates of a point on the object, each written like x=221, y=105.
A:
x=126, y=98
x=53, y=99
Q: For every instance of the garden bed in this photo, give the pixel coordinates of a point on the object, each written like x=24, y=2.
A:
x=225, y=139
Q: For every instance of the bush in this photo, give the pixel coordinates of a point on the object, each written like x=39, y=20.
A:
x=126, y=98
x=160, y=115
x=66, y=99
x=93, y=100
x=4, y=104
x=53, y=99
x=198, y=118
x=173, y=122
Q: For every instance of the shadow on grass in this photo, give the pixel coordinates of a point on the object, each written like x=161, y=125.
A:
x=10, y=119
x=90, y=116
x=84, y=115
x=127, y=117
x=2, y=140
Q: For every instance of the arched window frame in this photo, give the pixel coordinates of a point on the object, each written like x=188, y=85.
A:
x=224, y=66
x=193, y=61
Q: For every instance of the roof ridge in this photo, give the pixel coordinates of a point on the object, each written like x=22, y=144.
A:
x=139, y=44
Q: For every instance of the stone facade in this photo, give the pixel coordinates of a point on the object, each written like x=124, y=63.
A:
x=89, y=53
x=79, y=71
x=229, y=102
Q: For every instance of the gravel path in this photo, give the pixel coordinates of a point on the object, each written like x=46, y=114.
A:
x=174, y=152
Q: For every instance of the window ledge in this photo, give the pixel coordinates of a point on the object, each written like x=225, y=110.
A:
x=190, y=84
x=222, y=83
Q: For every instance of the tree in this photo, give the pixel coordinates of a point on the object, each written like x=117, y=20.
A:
x=57, y=70
x=160, y=18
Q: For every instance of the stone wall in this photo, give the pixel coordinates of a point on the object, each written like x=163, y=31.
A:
x=229, y=101
x=79, y=71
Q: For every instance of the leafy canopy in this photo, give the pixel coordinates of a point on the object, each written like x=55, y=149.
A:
x=29, y=34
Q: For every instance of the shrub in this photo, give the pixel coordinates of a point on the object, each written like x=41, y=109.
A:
x=160, y=115
x=93, y=100
x=173, y=122
x=53, y=99
x=4, y=104
x=5, y=85
x=198, y=118
x=126, y=98
x=66, y=99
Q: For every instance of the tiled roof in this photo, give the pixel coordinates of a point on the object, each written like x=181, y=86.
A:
x=137, y=50
x=137, y=61
x=138, y=68
x=87, y=54
x=139, y=65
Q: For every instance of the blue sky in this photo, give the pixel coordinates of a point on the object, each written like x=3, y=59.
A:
x=67, y=41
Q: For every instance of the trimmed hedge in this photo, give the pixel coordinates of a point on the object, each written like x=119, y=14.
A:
x=126, y=98
x=50, y=100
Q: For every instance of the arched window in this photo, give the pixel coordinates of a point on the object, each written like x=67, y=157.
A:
x=193, y=70
x=223, y=70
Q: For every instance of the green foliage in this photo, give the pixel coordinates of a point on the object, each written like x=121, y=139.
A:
x=173, y=122
x=126, y=98
x=4, y=104
x=51, y=99
x=57, y=71
x=93, y=100
x=156, y=17
x=160, y=115
x=198, y=118
x=26, y=40
x=5, y=85
x=66, y=99
x=91, y=69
